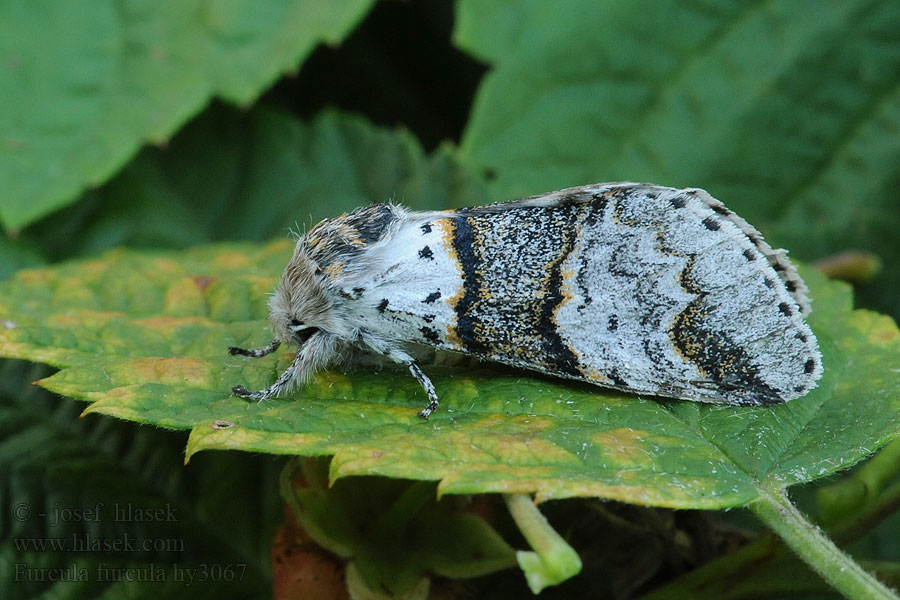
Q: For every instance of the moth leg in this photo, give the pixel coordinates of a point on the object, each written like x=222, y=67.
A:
x=276, y=388
x=399, y=356
x=429, y=389
x=255, y=352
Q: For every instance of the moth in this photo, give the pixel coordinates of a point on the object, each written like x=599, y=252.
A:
x=642, y=288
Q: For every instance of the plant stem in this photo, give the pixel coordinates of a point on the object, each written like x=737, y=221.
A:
x=553, y=560
x=816, y=549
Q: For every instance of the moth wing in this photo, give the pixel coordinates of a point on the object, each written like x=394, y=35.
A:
x=643, y=288
x=413, y=280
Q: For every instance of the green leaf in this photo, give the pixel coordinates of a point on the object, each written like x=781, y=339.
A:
x=253, y=175
x=143, y=336
x=108, y=486
x=87, y=83
x=15, y=255
x=678, y=95
x=789, y=112
x=392, y=533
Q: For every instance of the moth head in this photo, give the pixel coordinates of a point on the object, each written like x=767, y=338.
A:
x=300, y=307
x=311, y=295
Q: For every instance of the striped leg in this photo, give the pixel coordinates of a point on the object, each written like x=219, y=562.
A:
x=282, y=382
x=255, y=352
x=429, y=389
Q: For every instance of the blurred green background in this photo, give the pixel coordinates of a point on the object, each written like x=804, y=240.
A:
x=181, y=122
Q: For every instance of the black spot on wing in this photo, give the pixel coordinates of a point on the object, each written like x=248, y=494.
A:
x=756, y=239
x=677, y=201
x=617, y=380
x=426, y=253
x=431, y=335
x=612, y=323
x=426, y=228
x=711, y=223
x=431, y=297
x=382, y=306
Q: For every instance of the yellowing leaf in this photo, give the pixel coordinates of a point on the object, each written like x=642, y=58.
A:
x=144, y=336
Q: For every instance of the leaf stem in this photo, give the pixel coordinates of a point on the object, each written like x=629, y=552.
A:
x=816, y=549
x=553, y=560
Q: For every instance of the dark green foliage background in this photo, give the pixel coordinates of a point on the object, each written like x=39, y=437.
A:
x=787, y=111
